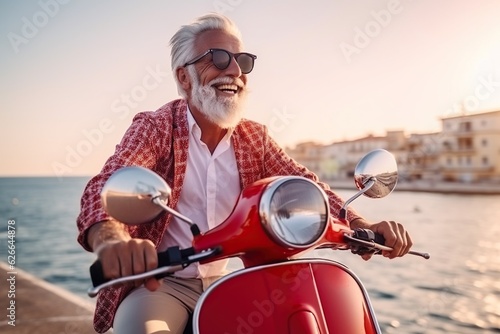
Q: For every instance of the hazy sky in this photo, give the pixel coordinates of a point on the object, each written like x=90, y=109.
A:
x=75, y=72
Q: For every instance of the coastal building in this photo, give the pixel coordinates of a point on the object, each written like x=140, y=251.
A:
x=310, y=154
x=343, y=156
x=466, y=150
x=422, y=157
x=471, y=147
x=337, y=160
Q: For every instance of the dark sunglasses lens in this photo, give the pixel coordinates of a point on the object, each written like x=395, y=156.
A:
x=245, y=62
x=221, y=59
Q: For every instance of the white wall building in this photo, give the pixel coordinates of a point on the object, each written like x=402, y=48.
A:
x=466, y=150
x=471, y=147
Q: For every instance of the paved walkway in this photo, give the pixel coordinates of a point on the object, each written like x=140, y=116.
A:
x=35, y=306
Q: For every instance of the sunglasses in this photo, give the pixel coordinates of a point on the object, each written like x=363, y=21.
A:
x=222, y=58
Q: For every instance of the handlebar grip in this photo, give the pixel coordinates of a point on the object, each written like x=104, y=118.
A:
x=172, y=255
x=368, y=235
x=97, y=274
x=378, y=238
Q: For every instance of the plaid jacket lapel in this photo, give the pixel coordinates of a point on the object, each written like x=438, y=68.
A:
x=180, y=135
x=249, y=152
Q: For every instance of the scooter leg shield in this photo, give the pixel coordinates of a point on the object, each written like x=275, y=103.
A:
x=301, y=296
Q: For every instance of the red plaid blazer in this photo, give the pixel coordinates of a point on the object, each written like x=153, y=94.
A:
x=159, y=141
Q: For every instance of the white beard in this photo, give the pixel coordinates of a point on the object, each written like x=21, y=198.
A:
x=224, y=111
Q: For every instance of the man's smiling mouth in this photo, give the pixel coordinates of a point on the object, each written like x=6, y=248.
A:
x=228, y=88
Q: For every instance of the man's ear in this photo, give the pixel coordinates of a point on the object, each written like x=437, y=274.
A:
x=183, y=78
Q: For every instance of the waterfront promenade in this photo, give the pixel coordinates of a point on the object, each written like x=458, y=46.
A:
x=31, y=305
x=431, y=187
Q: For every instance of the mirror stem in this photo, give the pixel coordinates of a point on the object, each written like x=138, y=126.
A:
x=157, y=200
x=367, y=186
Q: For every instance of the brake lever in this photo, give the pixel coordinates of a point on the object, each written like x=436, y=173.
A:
x=92, y=292
x=371, y=241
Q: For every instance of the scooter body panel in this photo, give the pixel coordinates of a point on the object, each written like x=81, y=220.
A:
x=300, y=296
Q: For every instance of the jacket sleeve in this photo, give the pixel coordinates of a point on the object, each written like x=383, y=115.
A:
x=278, y=162
x=139, y=146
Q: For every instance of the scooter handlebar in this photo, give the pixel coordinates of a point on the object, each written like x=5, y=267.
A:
x=170, y=261
x=364, y=241
x=169, y=257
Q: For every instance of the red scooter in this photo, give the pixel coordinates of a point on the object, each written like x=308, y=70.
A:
x=274, y=221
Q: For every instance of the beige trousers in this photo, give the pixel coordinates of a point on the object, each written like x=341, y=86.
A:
x=163, y=311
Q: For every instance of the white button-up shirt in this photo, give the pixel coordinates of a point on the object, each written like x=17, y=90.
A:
x=211, y=188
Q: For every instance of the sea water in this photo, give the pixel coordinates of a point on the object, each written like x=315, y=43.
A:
x=456, y=291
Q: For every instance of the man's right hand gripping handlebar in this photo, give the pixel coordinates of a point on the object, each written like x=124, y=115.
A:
x=120, y=255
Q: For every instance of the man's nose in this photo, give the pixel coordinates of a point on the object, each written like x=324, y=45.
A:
x=233, y=69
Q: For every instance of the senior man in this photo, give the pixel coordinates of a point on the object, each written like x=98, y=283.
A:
x=204, y=148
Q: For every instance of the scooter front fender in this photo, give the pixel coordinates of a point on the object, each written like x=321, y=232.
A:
x=300, y=296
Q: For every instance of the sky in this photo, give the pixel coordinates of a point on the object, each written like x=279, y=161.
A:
x=74, y=73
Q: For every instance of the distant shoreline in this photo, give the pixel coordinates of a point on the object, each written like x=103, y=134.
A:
x=440, y=187
x=432, y=187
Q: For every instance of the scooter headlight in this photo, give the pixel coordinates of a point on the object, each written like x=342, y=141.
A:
x=294, y=211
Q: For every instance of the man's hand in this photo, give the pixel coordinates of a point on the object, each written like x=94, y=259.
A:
x=120, y=255
x=394, y=233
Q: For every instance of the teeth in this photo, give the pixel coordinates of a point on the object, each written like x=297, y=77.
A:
x=226, y=87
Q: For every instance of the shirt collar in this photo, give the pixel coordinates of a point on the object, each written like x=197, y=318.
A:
x=192, y=125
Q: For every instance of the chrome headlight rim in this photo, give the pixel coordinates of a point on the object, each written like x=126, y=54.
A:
x=265, y=211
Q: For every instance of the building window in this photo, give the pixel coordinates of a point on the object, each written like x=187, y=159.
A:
x=485, y=161
x=465, y=143
x=449, y=162
x=484, y=142
x=465, y=126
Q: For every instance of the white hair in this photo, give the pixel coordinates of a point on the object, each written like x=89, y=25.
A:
x=183, y=41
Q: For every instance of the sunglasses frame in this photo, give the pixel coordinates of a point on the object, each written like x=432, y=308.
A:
x=231, y=56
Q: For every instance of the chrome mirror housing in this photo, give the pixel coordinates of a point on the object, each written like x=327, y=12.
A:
x=131, y=194
x=376, y=174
